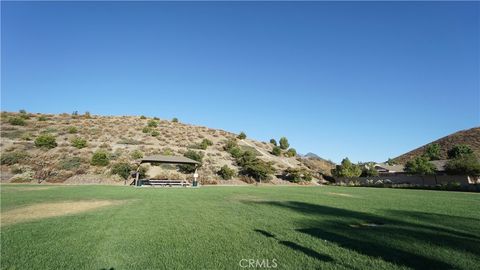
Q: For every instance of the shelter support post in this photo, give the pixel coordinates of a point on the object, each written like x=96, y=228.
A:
x=195, y=177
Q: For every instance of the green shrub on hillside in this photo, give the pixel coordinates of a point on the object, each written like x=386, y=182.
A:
x=226, y=173
x=100, y=158
x=17, y=121
x=137, y=154
x=175, y=120
x=230, y=144
x=203, y=145
x=143, y=117
x=236, y=152
x=242, y=135
x=72, y=130
x=432, y=151
x=247, y=159
x=123, y=169
x=78, y=142
x=296, y=175
x=152, y=123
x=463, y=165
x=257, y=169
x=11, y=158
x=23, y=114
x=42, y=118
x=273, y=141
x=291, y=152
x=347, y=169
x=284, y=143
x=46, y=141
x=147, y=130
x=155, y=133
x=189, y=168
x=156, y=118
x=459, y=150
x=70, y=164
x=276, y=151
x=420, y=165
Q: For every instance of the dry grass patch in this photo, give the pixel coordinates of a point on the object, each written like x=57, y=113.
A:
x=340, y=194
x=47, y=210
x=25, y=188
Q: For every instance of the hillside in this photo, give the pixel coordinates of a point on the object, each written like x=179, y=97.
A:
x=470, y=137
x=122, y=137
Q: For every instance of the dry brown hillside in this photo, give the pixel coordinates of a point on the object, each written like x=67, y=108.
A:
x=122, y=137
x=470, y=137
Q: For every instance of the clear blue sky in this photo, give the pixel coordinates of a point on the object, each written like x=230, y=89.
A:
x=367, y=80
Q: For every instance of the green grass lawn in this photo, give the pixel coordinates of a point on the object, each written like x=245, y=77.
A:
x=217, y=227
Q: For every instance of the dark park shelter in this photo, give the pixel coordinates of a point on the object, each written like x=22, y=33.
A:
x=161, y=159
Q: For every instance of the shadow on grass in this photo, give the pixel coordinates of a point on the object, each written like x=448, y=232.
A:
x=389, y=237
x=307, y=251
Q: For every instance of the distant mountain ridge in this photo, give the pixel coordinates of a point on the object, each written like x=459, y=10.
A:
x=470, y=137
x=312, y=155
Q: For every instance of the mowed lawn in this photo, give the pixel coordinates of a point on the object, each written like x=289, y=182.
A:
x=217, y=227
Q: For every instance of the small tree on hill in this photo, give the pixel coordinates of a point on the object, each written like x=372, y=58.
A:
x=122, y=168
x=257, y=169
x=284, y=143
x=347, y=169
x=463, y=165
x=459, y=150
x=100, y=158
x=296, y=175
x=273, y=141
x=189, y=168
x=175, y=120
x=242, y=135
x=420, y=165
x=276, y=151
x=432, y=151
x=226, y=173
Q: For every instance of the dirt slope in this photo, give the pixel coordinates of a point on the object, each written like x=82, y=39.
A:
x=120, y=136
x=470, y=137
